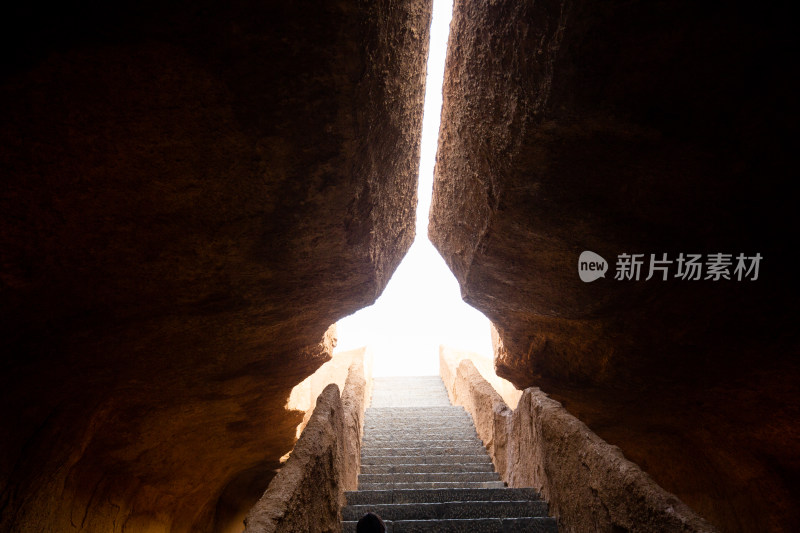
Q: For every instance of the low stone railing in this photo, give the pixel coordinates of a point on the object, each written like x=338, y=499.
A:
x=307, y=494
x=588, y=483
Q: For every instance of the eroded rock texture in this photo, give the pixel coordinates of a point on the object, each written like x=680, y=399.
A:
x=588, y=484
x=191, y=194
x=308, y=492
x=634, y=127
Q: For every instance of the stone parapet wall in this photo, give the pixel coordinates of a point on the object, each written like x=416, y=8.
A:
x=588, y=483
x=304, y=395
x=308, y=492
x=484, y=365
x=355, y=399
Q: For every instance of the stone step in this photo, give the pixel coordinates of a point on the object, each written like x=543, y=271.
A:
x=405, y=401
x=399, y=379
x=416, y=477
x=435, y=410
x=382, y=383
x=417, y=419
x=447, y=510
x=408, y=402
x=459, y=447
x=423, y=459
x=422, y=388
x=384, y=386
x=426, y=468
x=417, y=412
x=423, y=468
x=365, y=497
x=389, y=428
x=373, y=443
x=430, y=388
x=425, y=439
x=419, y=389
x=418, y=441
x=475, y=449
x=389, y=402
x=422, y=394
x=397, y=424
x=420, y=434
x=415, y=387
x=434, y=485
x=480, y=525
x=418, y=429
x=392, y=403
x=397, y=421
x=434, y=422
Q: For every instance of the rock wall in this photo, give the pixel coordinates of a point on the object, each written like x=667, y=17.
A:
x=306, y=495
x=589, y=484
x=356, y=397
x=634, y=127
x=192, y=193
x=304, y=395
x=308, y=492
x=449, y=358
x=348, y=370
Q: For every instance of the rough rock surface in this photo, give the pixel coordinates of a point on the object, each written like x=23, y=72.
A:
x=304, y=395
x=191, y=194
x=449, y=358
x=634, y=127
x=355, y=400
x=308, y=492
x=589, y=484
x=468, y=388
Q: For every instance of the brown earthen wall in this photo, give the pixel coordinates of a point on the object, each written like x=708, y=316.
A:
x=588, y=483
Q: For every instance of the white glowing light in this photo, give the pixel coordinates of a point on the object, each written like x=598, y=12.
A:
x=421, y=306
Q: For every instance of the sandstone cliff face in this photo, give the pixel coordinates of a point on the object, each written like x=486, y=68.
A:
x=623, y=127
x=192, y=193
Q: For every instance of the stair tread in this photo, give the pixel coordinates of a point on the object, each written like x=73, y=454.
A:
x=439, y=495
x=424, y=468
x=432, y=485
x=428, y=476
x=423, y=459
x=448, y=510
x=477, y=525
x=447, y=450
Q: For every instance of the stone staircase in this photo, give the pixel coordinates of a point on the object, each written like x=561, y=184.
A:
x=423, y=468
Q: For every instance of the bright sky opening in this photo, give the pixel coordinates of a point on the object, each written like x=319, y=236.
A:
x=421, y=306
